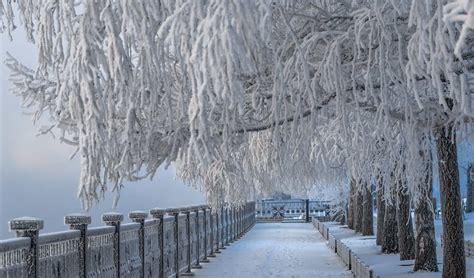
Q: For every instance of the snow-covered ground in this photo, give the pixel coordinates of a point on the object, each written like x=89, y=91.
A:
x=468, y=227
x=277, y=250
x=298, y=250
x=389, y=265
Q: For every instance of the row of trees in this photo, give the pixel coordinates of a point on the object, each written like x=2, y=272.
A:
x=256, y=97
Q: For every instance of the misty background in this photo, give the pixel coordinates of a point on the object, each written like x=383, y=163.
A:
x=37, y=176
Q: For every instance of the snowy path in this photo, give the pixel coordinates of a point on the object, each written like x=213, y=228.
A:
x=277, y=250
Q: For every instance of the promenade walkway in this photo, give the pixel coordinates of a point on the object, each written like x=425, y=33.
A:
x=277, y=250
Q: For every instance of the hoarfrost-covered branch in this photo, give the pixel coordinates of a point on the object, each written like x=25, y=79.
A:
x=244, y=98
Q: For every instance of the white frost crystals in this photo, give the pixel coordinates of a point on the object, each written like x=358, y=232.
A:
x=244, y=97
x=460, y=11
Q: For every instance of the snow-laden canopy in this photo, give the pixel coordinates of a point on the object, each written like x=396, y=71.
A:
x=461, y=11
x=245, y=97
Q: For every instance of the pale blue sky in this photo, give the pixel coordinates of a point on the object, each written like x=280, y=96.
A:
x=38, y=179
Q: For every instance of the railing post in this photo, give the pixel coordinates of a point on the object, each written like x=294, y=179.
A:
x=114, y=219
x=217, y=233
x=159, y=213
x=236, y=212
x=229, y=217
x=251, y=212
x=231, y=221
x=236, y=221
x=196, y=210
x=187, y=212
x=242, y=218
x=244, y=226
x=237, y=225
x=29, y=227
x=307, y=210
x=211, y=218
x=139, y=217
x=249, y=215
x=251, y=209
x=246, y=217
x=240, y=222
x=204, y=209
x=227, y=226
x=255, y=216
x=222, y=228
x=175, y=213
x=79, y=222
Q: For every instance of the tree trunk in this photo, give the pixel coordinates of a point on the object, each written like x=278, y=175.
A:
x=390, y=236
x=346, y=212
x=470, y=187
x=406, y=237
x=380, y=211
x=367, y=212
x=342, y=209
x=342, y=219
x=454, y=262
x=425, y=241
x=425, y=244
x=359, y=211
x=352, y=193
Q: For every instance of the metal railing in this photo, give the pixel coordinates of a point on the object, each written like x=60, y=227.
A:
x=358, y=267
x=291, y=209
x=172, y=243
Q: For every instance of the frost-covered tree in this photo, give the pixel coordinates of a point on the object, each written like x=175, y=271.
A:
x=461, y=11
x=255, y=97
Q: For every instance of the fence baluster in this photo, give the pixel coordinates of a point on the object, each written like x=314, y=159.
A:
x=197, y=232
x=175, y=213
x=114, y=219
x=29, y=227
x=159, y=213
x=187, y=212
x=80, y=222
x=139, y=217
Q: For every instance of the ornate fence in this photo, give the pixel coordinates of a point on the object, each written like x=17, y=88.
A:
x=171, y=244
x=359, y=268
x=291, y=209
x=355, y=264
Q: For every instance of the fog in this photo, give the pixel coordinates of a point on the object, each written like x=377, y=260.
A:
x=37, y=176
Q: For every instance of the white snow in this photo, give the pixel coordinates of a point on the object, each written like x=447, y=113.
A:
x=468, y=227
x=277, y=250
x=386, y=265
